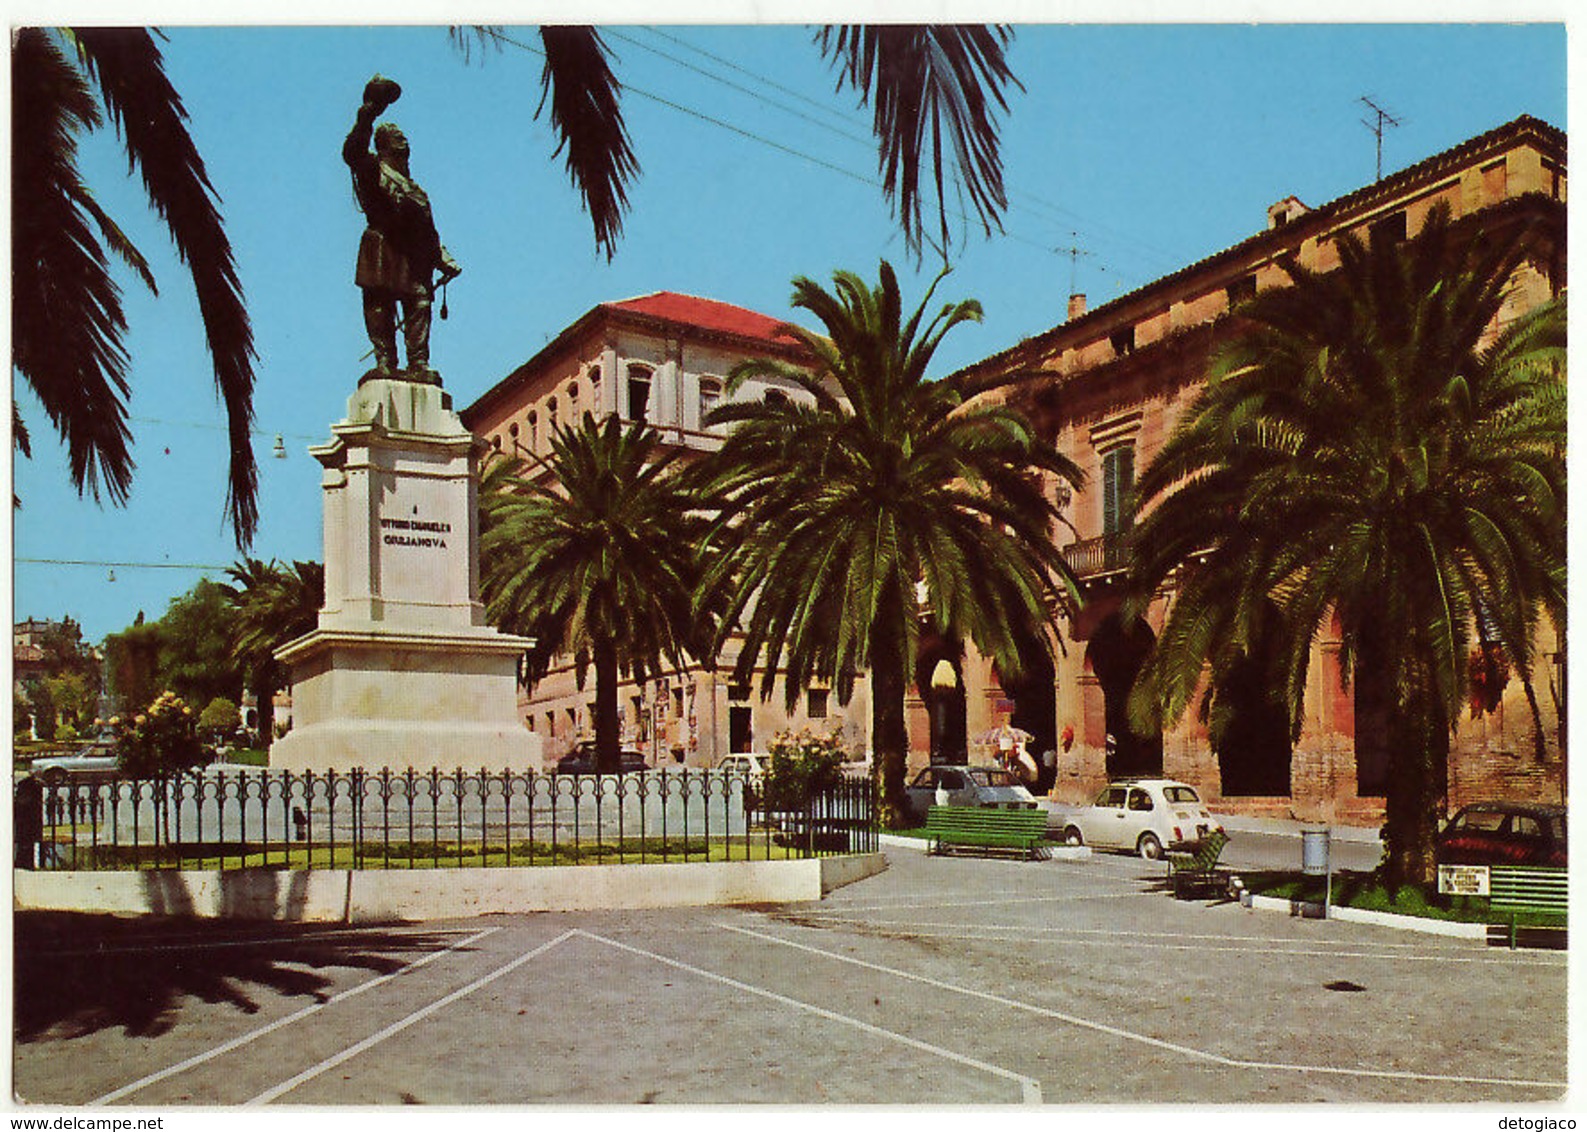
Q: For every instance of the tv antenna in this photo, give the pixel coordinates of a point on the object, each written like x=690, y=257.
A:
x=1384, y=118
x=1074, y=251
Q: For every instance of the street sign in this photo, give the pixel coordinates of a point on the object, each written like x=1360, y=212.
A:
x=1463, y=880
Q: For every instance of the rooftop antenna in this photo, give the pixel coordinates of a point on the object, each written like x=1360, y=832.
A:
x=1074, y=252
x=1383, y=118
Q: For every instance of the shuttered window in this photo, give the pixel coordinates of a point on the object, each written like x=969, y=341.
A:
x=1118, y=485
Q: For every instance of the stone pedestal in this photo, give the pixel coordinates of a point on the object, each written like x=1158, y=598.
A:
x=403, y=671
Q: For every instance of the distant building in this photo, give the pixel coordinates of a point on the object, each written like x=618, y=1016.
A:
x=661, y=358
x=1114, y=382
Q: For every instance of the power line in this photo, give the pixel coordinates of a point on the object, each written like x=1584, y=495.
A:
x=870, y=182
x=1118, y=237
x=126, y=565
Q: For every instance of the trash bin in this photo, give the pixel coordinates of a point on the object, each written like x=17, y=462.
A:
x=1314, y=862
x=1314, y=852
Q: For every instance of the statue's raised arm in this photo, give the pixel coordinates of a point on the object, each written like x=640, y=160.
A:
x=400, y=252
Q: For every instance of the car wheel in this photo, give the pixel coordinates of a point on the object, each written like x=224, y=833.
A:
x=1072, y=836
x=1149, y=847
x=54, y=776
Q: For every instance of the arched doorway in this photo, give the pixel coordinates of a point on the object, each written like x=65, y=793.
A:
x=1253, y=746
x=940, y=680
x=1035, y=698
x=1116, y=653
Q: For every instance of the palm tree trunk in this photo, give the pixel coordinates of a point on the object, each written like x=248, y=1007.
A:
x=889, y=736
x=265, y=712
x=1418, y=754
x=606, y=738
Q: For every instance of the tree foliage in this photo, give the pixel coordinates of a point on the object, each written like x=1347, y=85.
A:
x=271, y=605
x=879, y=503
x=597, y=559
x=68, y=325
x=935, y=91
x=1370, y=450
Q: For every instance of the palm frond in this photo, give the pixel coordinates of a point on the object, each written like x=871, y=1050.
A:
x=146, y=110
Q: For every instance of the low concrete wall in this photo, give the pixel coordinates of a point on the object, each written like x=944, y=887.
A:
x=374, y=896
x=1312, y=911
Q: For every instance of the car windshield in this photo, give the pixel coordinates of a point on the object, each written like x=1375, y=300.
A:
x=1479, y=821
x=992, y=776
x=1180, y=794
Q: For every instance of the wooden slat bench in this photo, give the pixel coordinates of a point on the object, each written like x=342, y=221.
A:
x=985, y=827
x=1518, y=888
x=1199, y=872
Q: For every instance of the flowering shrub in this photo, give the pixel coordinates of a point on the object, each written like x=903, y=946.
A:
x=162, y=739
x=802, y=765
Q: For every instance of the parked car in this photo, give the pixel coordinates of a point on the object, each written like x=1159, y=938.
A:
x=752, y=764
x=1504, y=833
x=581, y=760
x=93, y=763
x=955, y=785
x=1143, y=815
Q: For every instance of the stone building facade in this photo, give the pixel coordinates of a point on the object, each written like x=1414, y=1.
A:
x=663, y=358
x=1112, y=384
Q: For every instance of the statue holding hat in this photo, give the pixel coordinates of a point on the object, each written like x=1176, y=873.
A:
x=400, y=255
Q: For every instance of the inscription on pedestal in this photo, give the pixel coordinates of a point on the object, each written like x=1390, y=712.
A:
x=414, y=532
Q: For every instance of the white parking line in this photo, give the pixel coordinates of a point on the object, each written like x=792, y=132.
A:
x=1028, y=933
x=1030, y=1089
x=254, y=1035
x=1068, y=898
x=1144, y=1039
x=397, y=1027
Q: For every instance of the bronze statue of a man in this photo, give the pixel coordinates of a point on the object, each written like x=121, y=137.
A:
x=400, y=251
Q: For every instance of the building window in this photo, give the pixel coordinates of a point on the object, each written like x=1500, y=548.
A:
x=495, y=442
x=1390, y=228
x=1241, y=289
x=710, y=397
x=816, y=703
x=551, y=415
x=738, y=692
x=638, y=393
x=1123, y=341
x=1118, y=488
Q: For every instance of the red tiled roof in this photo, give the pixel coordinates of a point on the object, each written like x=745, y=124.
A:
x=706, y=314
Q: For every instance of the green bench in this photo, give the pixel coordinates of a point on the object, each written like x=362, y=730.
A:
x=1198, y=873
x=985, y=827
x=1517, y=888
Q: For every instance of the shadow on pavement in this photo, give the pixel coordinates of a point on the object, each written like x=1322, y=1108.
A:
x=76, y=973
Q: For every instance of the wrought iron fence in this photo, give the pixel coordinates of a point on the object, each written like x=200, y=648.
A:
x=227, y=818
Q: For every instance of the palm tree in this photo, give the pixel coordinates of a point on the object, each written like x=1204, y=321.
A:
x=597, y=559
x=273, y=605
x=935, y=91
x=878, y=502
x=67, y=321
x=1368, y=449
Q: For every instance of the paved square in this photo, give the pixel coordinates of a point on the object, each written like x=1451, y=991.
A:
x=943, y=980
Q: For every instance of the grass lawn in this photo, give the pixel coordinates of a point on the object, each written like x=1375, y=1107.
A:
x=375, y=855
x=245, y=757
x=1366, y=891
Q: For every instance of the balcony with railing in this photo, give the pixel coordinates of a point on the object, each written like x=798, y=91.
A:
x=1095, y=557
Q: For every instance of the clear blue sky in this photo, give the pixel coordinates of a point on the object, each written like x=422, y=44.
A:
x=1148, y=147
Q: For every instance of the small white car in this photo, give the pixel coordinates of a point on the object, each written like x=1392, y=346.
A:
x=749, y=764
x=1142, y=815
x=966, y=786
